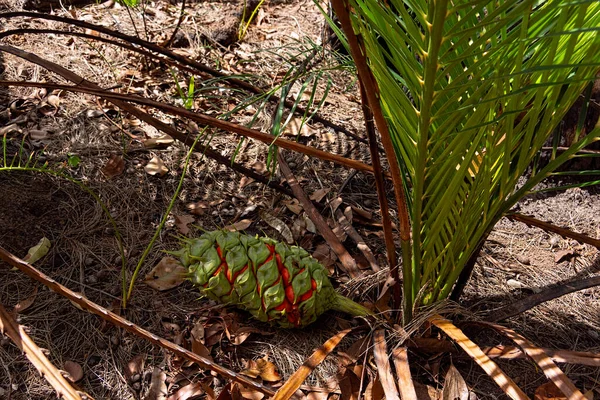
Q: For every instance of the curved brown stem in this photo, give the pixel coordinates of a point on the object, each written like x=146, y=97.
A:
x=129, y=326
x=181, y=59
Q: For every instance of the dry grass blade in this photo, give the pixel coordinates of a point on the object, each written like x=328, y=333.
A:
x=349, y=264
x=491, y=368
x=550, y=369
x=129, y=326
x=383, y=366
x=559, y=356
x=297, y=379
x=10, y=328
x=405, y=383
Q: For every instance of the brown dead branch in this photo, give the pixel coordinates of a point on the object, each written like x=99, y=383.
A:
x=554, y=229
x=386, y=219
x=550, y=293
x=129, y=326
x=182, y=60
x=348, y=262
x=199, y=118
x=21, y=339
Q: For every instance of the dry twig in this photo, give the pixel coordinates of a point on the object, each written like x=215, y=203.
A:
x=349, y=264
x=129, y=326
x=10, y=328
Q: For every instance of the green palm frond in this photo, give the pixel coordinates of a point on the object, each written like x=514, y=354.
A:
x=471, y=91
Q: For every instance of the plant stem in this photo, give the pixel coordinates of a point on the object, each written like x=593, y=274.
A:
x=344, y=304
x=162, y=222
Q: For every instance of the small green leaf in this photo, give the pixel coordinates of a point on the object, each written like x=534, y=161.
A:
x=73, y=160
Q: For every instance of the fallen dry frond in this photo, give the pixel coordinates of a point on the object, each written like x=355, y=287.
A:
x=129, y=326
x=548, y=366
x=382, y=360
x=405, y=382
x=297, y=379
x=559, y=356
x=491, y=368
x=21, y=339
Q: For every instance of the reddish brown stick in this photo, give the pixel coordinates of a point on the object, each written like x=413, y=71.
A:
x=386, y=219
x=547, y=226
x=200, y=118
x=348, y=262
x=184, y=61
x=553, y=292
x=371, y=90
x=129, y=326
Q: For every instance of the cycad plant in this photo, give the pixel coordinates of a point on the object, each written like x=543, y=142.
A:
x=466, y=93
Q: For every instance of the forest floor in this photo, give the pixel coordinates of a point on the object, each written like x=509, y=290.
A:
x=113, y=156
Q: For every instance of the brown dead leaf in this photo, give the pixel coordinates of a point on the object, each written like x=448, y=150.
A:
x=455, y=387
x=182, y=221
x=158, y=386
x=239, y=336
x=563, y=255
x=135, y=366
x=114, y=166
x=426, y=392
x=294, y=206
x=27, y=302
x=382, y=361
x=248, y=393
x=199, y=348
x=251, y=369
x=156, y=167
x=74, y=370
x=405, y=382
x=187, y=392
x=163, y=140
x=245, y=181
x=325, y=255
x=198, y=208
x=319, y=194
x=350, y=385
x=549, y=391
x=239, y=226
x=268, y=370
x=53, y=100
x=363, y=214
x=278, y=225
x=324, y=395
x=167, y=274
x=296, y=128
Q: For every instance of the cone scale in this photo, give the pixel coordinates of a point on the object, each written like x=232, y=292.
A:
x=275, y=282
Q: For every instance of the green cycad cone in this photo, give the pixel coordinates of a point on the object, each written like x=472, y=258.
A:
x=271, y=280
